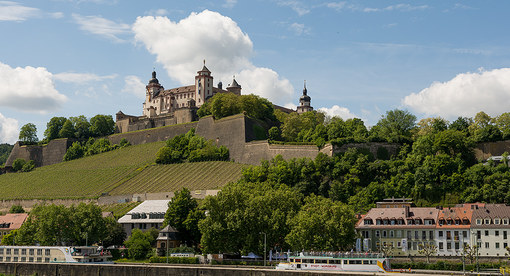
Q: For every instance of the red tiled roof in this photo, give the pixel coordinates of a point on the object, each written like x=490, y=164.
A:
x=14, y=220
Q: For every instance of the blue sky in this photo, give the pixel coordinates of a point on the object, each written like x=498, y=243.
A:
x=359, y=58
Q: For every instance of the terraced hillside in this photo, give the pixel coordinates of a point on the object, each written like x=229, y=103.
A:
x=123, y=171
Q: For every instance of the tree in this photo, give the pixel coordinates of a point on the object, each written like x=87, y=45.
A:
x=427, y=250
x=16, y=209
x=396, y=125
x=28, y=134
x=471, y=252
x=139, y=244
x=322, y=224
x=183, y=214
x=461, y=124
x=75, y=151
x=67, y=130
x=275, y=134
x=115, y=234
x=5, y=150
x=53, y=128
x=9, y=238
x=102, y=125
x=81, y=126
x=241, y=211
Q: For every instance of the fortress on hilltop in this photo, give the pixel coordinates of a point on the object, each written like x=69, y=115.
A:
x=179, y=105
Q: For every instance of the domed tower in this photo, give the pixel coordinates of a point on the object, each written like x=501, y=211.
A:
x=152, y=101
x=234, y=87
x=203, y=85
x=304, y=102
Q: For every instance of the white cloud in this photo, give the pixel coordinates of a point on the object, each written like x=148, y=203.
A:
x=338, y=111
x=296, y=6
x=8, y=130
x=398, y=7
x=133, y=85
x=81, y=78
x=12, y=11
x=299, y=29
x=182, y=46
x=464, y=95
x=56, y=15
x=102, y=27
x=229, y=3
x=29, y=89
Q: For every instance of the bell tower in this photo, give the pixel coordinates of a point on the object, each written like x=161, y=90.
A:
x=152, y=90
x=203, y=86
x=304, y=102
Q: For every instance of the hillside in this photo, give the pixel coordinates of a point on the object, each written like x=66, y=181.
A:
x=123, y=171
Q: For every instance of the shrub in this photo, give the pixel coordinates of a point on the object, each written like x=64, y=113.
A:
x=74, y=152
x=18, y=164
x=16, y=209
x=28, y=166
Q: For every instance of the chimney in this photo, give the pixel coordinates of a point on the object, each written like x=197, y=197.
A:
x=406, y=208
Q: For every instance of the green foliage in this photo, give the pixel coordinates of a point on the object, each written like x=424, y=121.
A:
x=59, y=225
x=101, y=125
x=81, y=126
x=9, y=238
x=183, y=214
x=322, y=224
x=396, y=126
x=67, y=131
x=275, y=134
x=75, y=151
x=16, y=209
x=124, y=143
x=242, y=211
x=5, y=150
x=28, y=134
x=96, y=146
x=115, y=234
x=139, y=244
x=192, y=148
x=53, y=128
x=28, y=166
x=18, y=164
x=227, y=104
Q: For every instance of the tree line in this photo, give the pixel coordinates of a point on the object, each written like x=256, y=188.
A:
x=73, y=127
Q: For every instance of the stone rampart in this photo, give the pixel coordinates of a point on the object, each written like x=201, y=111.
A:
x=49, y=154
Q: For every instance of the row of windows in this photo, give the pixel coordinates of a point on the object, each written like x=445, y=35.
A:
x=24, y=259
x=452, y=234
x=144, y=225
x=496, y=221
x=399, y=222
x=16, y=251
x=398, y=234
x=322, y=261
x=487, y=234
x=150, y=215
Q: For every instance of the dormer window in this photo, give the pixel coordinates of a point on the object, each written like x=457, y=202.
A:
x=441, y=221
x=487, y=221
x=410, y=222
x=496, y=221
x=368, y=221
x=505, y=221
x=378, y=222
x=479, y=221
x=417, y=221
x=457, y=221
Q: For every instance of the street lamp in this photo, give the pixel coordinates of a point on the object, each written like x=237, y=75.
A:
x=264, y=246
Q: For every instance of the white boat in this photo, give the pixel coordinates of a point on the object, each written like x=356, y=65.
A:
x=330, y=261
x=54, y=254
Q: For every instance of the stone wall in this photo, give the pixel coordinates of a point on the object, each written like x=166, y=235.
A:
x=488, y=149
x=55, y=269
x=49, y=154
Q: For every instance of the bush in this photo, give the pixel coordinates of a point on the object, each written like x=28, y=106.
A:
x=28, y=166
x=139, y=244
x=124, y=143
x=18, y=164
x=16, y=209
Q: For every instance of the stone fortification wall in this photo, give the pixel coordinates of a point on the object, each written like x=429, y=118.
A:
x=488, y=149
x=152, y=135
x=49, y=154
x=256, y=151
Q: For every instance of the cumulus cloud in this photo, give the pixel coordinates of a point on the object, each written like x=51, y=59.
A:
x=81, y=78
x=297, y=6
x=182, y=46
x=102, y=27
x=338, y=111
x=464, y=95
x=12, y=11
x=8, y=130
x=29, y=89
x=397, y=7
x=133, y=85
x=229, y=3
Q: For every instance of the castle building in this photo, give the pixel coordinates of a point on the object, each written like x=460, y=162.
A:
x=173, y=106
x=304, y=102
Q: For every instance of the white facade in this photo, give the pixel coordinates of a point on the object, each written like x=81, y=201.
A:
x=149, y=214
x=450, y=241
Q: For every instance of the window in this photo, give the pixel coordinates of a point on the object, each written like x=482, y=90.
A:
x=423, y=235
x=486, y=233
x=31, y=252
x=505, y=221
x=457, y=246
x=431, y=235
x=464, y=234
x=31, y=259
x=416, y=235
x=496, y=233
x=24, y=251
x=16, y=251
x=456, y=235
x=39, y=251
x=392, y=233
x=504, y=235
x=46, y=260
x=478, y=235
x=441, y=246
x=23, y=259
x=487, y=221
x=478, y=221
x=384, y=233
x=1, y=251
x=497, y=245
x=449, y=246
x=15, y=259
x=377, y=234
x=46, y=252
x=39, y=259
x=8, y=251
x=399, y=234
x=496, y=221
x=448, y=235
x=409, y=234
x=398, y=244
x=486, y=245
x=440, y=234
x=505, y=245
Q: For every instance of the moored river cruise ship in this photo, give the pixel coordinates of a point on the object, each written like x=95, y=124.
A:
x=54, y=254
x=330, y=261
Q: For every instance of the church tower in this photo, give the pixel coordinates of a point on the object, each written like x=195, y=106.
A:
x=203, y=86
x=152, y=105
x=304, y=102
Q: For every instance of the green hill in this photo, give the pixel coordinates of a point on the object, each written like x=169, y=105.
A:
x=123, y=171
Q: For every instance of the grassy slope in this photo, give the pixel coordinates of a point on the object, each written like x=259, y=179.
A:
x=126, y=170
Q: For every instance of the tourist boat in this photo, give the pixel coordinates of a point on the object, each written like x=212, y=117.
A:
x=333, y=261
x=54, y=254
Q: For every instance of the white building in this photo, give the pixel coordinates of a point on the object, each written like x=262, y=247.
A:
x=149, y=214
x=491, y=229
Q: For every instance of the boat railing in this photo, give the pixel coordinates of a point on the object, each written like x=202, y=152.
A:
x=347, y=255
